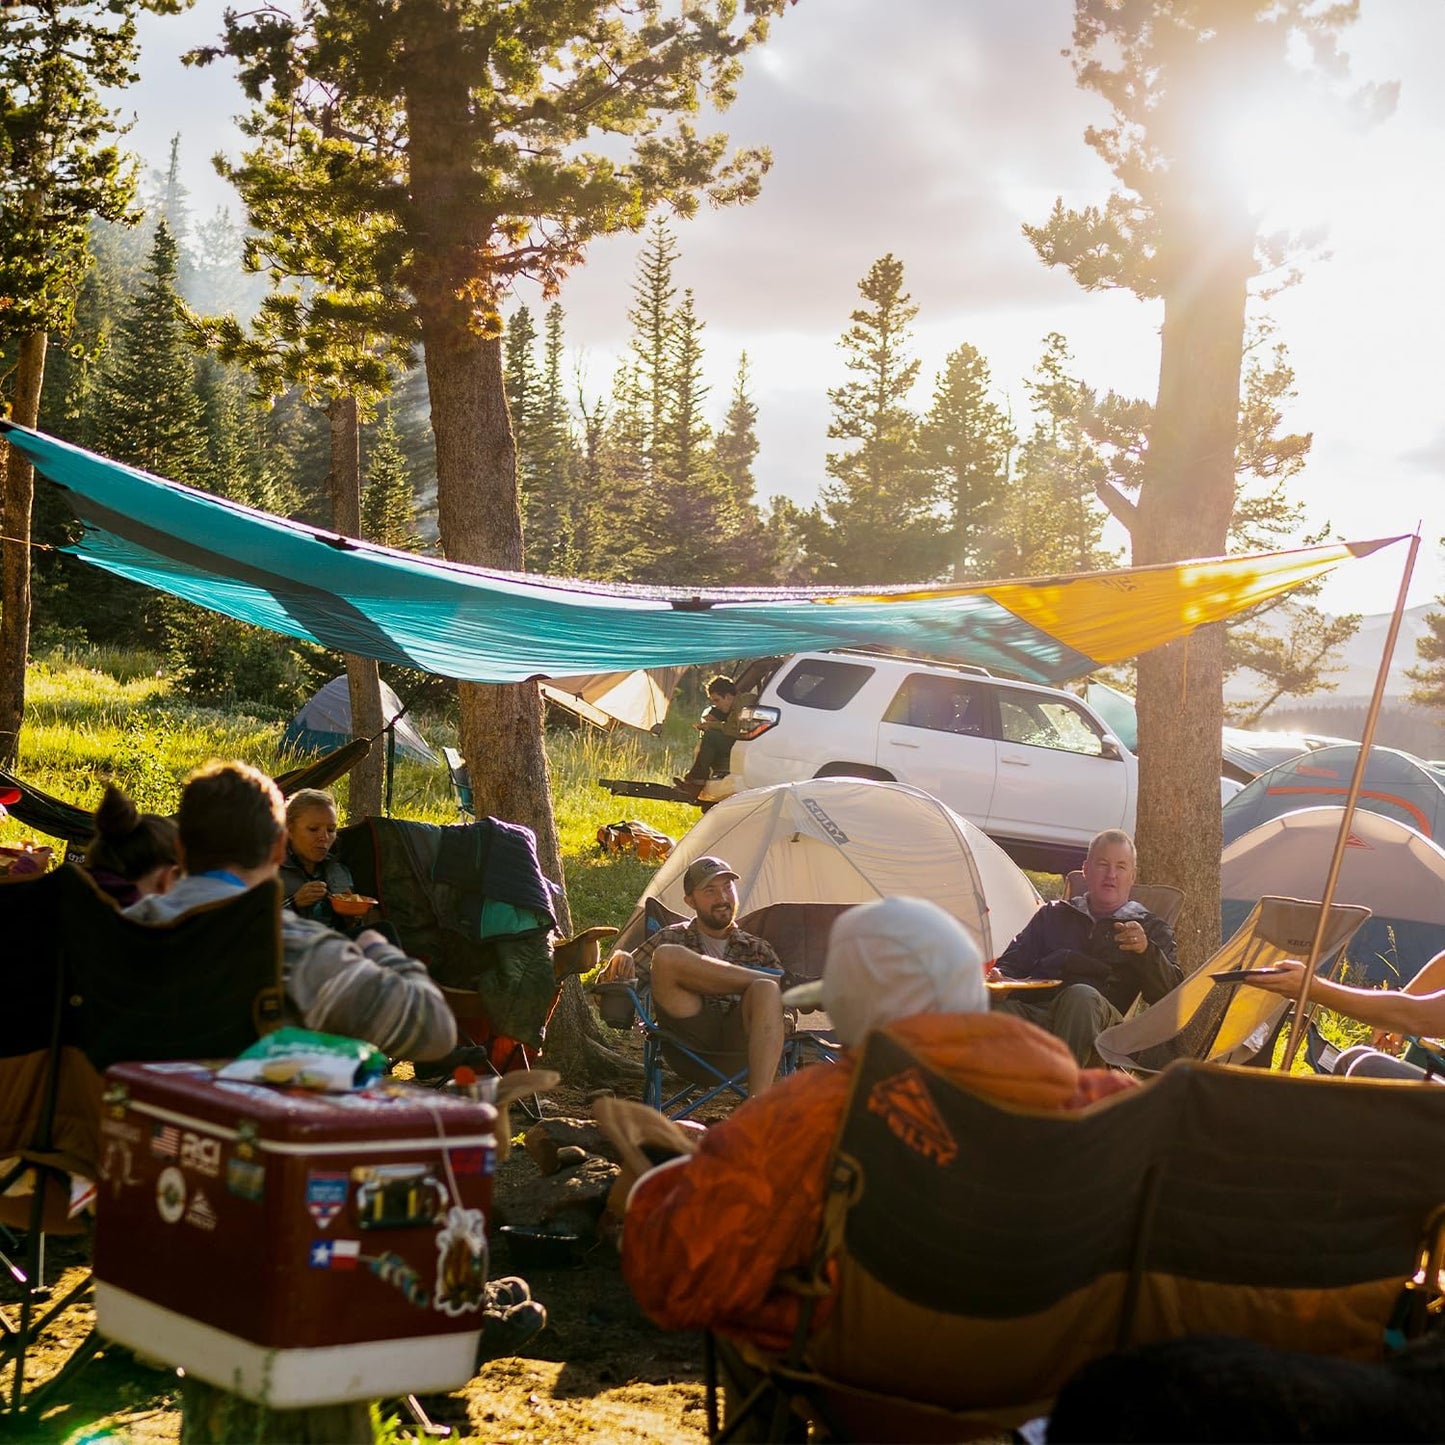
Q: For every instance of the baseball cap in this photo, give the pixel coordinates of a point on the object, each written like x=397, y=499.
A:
x=700, y=870
x=890, y=959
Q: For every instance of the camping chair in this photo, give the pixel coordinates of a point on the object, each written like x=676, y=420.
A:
x=974, y=1255
x=1163, y=900
x=461, y=781
x=90, y=987
x=799, y=935
x=1226, y=1023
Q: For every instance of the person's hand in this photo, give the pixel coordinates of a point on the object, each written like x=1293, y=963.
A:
x=1386, y=1042
x=1130, y=937
x=309, y=893
x=1283, y=978
x=619, y=968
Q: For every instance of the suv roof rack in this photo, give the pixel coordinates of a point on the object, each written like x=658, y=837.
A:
x=901, y=656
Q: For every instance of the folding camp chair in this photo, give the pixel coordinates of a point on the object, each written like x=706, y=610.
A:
x=974, y=1255
x=1163, y=900
x=1228, y=1023
x=461, y=781
x=88, y=987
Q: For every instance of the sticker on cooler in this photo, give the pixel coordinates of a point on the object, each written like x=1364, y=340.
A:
x=326, y=1196
x=461, y=1262
x=171, y=1194
x=200, y=1213
x=334, y=1254
x=165, y=1141
x=201, y=1153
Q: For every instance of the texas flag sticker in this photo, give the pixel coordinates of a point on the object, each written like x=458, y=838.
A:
x=335, y=1253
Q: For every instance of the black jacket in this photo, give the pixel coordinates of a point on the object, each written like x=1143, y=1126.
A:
x=1065, y=941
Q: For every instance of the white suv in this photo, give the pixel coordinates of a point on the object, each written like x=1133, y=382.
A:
x=1034, y=767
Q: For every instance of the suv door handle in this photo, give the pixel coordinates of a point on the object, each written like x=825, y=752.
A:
x=894, y=743
x=1015, y=762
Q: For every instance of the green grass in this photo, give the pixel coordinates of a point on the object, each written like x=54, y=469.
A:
x=94, y=716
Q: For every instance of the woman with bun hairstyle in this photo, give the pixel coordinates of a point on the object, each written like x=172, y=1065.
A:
x=132, y=854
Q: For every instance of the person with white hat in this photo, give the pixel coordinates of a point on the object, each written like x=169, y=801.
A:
x=707, y=1234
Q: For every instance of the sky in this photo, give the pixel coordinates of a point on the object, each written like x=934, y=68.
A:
x=935, y=129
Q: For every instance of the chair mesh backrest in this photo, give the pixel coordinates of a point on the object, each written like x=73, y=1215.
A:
x=987, y=1251
x=1228, y=1023
x=798, y=933
x=1163, y=900
x=205, y=986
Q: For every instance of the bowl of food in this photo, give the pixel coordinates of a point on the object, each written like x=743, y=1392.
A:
x=350, y=905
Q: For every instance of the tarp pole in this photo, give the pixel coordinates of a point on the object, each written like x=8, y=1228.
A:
x=1299, y=1021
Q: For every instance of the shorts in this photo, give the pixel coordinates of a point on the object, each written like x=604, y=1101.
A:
x=715, y=1031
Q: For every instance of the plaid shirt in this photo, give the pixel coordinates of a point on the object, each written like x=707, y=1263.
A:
x=741, y=948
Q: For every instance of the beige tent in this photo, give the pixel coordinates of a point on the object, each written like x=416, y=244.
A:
x=845, y=841
x=639, y=698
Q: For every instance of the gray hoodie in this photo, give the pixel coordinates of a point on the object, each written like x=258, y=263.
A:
x=331, y=983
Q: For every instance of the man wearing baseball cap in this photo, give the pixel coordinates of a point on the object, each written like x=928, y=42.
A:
x=715, y=987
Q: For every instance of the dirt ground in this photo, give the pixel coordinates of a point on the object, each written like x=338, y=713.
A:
x=600, y=1371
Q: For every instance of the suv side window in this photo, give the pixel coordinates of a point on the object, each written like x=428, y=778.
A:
x=823, y=683
x=944, y=704
x=1045, y=722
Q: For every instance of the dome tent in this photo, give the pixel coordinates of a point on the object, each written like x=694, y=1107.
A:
x=1392, y=870
x=324, y=722
x=1395, y=785
x=841, y=841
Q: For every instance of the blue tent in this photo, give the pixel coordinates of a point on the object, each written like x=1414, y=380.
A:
x=1395, y=785
x=324, y=723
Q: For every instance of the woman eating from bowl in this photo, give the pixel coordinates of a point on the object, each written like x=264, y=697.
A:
x=312, y=876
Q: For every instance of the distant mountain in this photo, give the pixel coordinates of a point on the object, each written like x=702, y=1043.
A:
x=1359, y=660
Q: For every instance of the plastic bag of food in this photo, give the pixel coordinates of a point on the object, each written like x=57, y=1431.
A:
x=304, y=1059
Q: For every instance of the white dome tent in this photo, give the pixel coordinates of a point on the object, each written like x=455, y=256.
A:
x=849, y=840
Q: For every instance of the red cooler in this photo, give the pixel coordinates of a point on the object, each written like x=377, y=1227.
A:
x=294, y=1248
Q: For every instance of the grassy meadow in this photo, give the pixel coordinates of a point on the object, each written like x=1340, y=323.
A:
x=94, y=716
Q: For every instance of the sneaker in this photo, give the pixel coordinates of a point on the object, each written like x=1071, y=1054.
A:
x=508, y=1332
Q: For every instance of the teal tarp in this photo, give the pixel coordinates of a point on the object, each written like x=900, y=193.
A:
x=472, y=624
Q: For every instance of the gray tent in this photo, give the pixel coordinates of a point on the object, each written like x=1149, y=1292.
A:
x=324, y=722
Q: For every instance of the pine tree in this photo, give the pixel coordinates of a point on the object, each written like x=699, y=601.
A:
x=388, y=506
x=552, y=537
x=1428, y=674
x=59, y=168
x=519, y=372
x=966, y=440
x=877, y=522
x=1180, y=228
x=736, y=448
x=1055, y=523
x=149, y=411
x=652, y=322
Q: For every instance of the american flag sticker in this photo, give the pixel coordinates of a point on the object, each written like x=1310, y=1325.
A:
x=165, y=1141
x=335, y=1254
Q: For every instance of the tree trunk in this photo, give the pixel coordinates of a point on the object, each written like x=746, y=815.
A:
x=363, y=676
x=15, y=550
x=212, y=1416
x=1185, y=507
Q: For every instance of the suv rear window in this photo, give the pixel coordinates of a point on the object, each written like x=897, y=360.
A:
x=822, y=683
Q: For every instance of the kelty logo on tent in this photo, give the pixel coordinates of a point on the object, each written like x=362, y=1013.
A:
x=326, y=1196
x=905, y=1105
x=829, y=826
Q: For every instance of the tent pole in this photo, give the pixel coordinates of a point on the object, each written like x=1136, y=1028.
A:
x=1298, y=1022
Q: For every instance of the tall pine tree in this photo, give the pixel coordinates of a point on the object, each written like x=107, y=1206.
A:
x=877, y=522
x=965, y=441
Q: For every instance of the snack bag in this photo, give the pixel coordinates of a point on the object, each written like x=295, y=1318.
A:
x=304, y=1059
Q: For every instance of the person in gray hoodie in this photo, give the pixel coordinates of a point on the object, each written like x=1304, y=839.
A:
x=232, y=824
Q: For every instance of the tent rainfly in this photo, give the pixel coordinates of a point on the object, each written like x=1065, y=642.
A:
x=324, y=722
